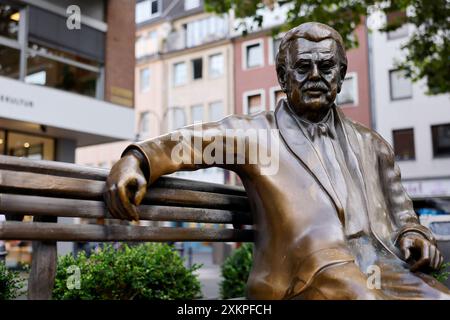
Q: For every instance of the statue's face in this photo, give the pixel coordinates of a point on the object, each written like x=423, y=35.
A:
x=312, y=75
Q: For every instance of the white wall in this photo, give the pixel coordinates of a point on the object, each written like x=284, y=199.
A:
x=420, y=112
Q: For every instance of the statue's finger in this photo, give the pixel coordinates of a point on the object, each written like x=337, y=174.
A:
x=141, y=191
x=128, y=208
x=117, y=210
x=432, y=256
x=425, y=256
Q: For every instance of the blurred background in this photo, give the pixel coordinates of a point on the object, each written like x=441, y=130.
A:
x=80, y=80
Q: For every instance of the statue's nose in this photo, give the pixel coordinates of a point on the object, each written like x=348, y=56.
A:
x=314, y=72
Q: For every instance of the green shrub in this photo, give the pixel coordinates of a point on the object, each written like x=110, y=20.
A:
x=442, y=274
x=235, y=272
x=146, y=271
x=10, y=283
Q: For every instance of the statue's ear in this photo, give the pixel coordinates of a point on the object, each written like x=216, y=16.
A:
x=342, y=73
x=281, y=74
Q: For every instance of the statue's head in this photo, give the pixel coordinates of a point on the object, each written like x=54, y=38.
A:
x=311, y=65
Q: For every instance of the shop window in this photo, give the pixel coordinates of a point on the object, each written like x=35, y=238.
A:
x=2, y=142
x=30, y=146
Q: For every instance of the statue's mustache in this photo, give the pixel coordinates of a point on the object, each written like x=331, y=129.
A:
x=315, y=86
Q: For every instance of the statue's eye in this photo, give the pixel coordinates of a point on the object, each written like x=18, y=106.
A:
x=303, y=66
x=327, y=65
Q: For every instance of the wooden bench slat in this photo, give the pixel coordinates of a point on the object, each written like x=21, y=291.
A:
x=71, y=170
x=47, y=206
x=12, y=230
x=73, y=188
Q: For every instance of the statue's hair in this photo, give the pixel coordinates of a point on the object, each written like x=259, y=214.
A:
x=313, y=31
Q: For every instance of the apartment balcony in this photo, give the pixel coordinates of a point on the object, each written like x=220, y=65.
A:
x=197, y=33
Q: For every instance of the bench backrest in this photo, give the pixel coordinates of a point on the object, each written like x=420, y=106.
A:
x=47, y=190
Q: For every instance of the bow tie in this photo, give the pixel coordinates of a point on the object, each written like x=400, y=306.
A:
x=318, y=130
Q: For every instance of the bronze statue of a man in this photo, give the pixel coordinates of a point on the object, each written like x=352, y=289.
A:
x=335, y=213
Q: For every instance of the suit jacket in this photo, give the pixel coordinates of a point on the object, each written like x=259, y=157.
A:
x=298, y=218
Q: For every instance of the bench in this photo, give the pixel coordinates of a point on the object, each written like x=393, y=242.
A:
x=47, y=190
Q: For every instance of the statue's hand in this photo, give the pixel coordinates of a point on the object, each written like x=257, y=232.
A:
x=125, y=188
x=420, y=252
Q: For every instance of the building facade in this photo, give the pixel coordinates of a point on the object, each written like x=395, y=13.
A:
x=60, y=87
x=417, y=125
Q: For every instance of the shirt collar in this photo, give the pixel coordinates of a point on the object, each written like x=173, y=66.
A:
x=325, y=127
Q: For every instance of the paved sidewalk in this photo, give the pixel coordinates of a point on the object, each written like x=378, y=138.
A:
x=209, y=275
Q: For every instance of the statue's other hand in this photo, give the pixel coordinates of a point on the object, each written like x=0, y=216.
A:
x=125, y=188
x=420, y=252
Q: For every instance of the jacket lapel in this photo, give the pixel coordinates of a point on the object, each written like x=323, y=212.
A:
x=296, y=140
x=352, y=142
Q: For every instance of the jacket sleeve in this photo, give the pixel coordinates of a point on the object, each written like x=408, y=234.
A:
x=398, y=201
x=193, y=147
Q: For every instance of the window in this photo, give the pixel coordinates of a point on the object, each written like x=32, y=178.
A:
x=191, y=4
x=179, y=73
x=2, y=142
x=9, y=62
x=30, y=146
x=253, y=102
x=197, y=113
x=216, y=65
x=348, y=92
x=9, y=21
x=177, y=118
x=148, y=9
x=253, y=55
x=215, y=111
x=197, y=68
x=277, y=95
x=441, y=140
x=404, y=144
x=144, y=124
x=274, y=47
x=45, y=71
x=144, y=79
x=38, y=77
x=400, y=86
x=205, y=30
x=146, y=44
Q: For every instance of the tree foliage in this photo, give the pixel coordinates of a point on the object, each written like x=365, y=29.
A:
x=427, y=50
